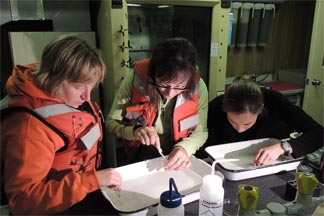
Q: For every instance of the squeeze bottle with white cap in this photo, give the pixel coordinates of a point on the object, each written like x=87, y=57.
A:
x=171, y=202
x=211, y=194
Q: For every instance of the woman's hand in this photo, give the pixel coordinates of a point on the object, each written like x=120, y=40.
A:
x=109, y=178
x=267, y=155
x=148, y=136
x=178, y=159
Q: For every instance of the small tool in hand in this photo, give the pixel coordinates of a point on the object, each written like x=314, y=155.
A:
x=161, y=153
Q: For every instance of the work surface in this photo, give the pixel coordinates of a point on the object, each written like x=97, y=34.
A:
x=271, y=189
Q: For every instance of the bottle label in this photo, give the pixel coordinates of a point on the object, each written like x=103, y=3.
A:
x=210, y=208
x=216, y=204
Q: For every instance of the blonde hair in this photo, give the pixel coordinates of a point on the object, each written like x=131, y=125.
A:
x=71, y=59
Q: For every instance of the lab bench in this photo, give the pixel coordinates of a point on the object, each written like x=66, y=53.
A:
x=272, y=188
x=294, y=92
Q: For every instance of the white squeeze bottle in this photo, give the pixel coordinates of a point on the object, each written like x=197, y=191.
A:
x=211, y=194
x=171, y=202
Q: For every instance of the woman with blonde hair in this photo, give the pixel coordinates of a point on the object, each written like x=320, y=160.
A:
x=51, y=130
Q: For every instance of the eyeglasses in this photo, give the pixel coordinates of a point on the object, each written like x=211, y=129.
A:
x=168, y=87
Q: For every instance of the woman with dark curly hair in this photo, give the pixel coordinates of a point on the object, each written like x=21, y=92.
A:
x=162, y=105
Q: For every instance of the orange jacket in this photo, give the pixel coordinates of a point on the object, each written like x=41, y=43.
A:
x=185, y=114
x=38, y=178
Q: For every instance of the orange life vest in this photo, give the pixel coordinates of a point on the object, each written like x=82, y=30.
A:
x=185, y=113
x=82, y=130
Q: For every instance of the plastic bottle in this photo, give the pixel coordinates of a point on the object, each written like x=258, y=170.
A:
x=211, y=194
x=171, y=202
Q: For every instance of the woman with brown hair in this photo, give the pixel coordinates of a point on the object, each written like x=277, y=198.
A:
x=246, y=112
x=162, y=105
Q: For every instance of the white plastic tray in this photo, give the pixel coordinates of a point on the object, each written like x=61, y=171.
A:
x=144, y=182
x=245, y=151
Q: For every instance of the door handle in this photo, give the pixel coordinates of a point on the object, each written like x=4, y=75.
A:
x=316, y=82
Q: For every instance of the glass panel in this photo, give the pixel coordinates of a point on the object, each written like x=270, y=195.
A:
x=149, y=24
x=27, y=9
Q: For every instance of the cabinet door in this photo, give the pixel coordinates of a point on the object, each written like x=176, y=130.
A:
x=313, y=98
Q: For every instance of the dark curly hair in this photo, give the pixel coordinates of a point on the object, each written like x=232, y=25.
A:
x=170, y=59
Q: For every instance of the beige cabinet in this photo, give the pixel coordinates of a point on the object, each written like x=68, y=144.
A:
x=313, y=98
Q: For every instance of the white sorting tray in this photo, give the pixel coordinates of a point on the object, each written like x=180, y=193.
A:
x=245, y=151
x=143, y=183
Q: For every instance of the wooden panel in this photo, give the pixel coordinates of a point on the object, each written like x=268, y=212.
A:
x=288, y=42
